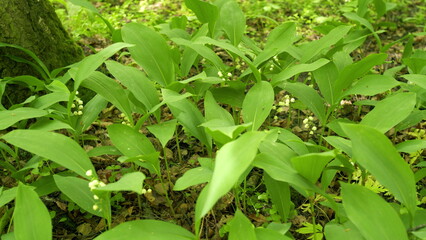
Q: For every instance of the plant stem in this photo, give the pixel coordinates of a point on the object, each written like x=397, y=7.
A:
x=314, y=225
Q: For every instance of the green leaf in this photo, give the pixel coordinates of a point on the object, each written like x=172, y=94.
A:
x=49, y=99
x=309, y=97
x=136, y=82
x=91, y=111
x=56, y=147
x=354, y=17
x=151, y=52
x=129, y=182
x=78, y=191
x=411, y=146
x=346, y=230
x=214, y=111
x=232, y=21
x=222, y=131
x=149, y=229
x=205, y=12
x=279, y=39
x=418, y=79
x=240, y=227
x=293, y=141
x=129, y=141
x=371, y=85
x=269, y=234
x=311, y=165
x=188, y=115
x=390, y=111
x=280, y=195
x=325, y=77
x=296, y=69
x=375, y=152
x=163, y=131
x=312, y=49
x=258, y=104
x=110, y=90
x=372, y=215
x=354, y=71
x=88, y=65
x=7, y=195
x=10, y=117
x=193, y=177
x=232, y=160
x=31, y=218
x=202, y=50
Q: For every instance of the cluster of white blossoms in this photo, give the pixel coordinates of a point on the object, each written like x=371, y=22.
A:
x=126, y=120
x=77, y=105
x=284, y=103
x=308, y=123
x=220, y=74
x=272, y=66
x=95, y=183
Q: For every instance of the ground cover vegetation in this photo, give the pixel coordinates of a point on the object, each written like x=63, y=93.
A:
x=222, y=120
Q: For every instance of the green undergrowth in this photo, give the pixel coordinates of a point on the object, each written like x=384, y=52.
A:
x=223, y=120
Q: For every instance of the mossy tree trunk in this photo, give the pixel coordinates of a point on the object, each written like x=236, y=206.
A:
x=34, y=25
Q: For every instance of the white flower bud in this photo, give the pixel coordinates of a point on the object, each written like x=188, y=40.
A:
x=80, y=102
x=314, y=128
x=292, y=100
x=310, y=133
x=89, y=173
x=229, y=74
x=305, y=121
x=306, y=125
x=143, y=191
x=275, y=117
x=102, y=184
x=95, y=207
x=73, y=105
x=93, y=184
x=79, y=113
x=95, y=197
x=76, y=92
x=80, y=107
x=311, y=118
x=220, y=74
x=75, y=113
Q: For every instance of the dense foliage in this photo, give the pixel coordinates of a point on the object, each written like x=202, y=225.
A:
x=222, y=119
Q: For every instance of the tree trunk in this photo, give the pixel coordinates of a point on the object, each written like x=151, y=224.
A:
x=34, y=25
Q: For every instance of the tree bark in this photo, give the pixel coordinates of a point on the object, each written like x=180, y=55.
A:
x=34, y=25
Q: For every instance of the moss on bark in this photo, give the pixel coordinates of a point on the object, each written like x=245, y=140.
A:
x=34, y=25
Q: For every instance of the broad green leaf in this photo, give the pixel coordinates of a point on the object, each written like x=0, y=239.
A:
x=346, y=231
x=232, y=21
x=362, y=7
x=309, y=97
x=91, y=111
x=7, y=195
x=205, y=12
x=193, y=177
x=375, y=152
x=296, y=69
x=312, y=49
x=103, y=150
x=372, y=215
x=340, y=143
x=311, y=165
x=129, y=182
x=47, y=125
x=54, y=146
x=325, y=77
x=129, y=141
x=202, y=50
x=390, y=111
x=88, y=65
x=10, y=117
x=415, y=117
x=240, y=227
x=49, y=99
x=188, y=115
x=110, y=90
x=151, y=52
x=293, y=141
x=78, y=191
x=280, y=195
x=31, y=218
x=163, y=131
x=214, y=111
x=149, y=229
x=258, y=104
x=232, y=160
x=418, y=79
x=231, y=48
x=354, y=17
x=411, y=146
x=136, y=82
x=223, y=132
x=354, y=71
x=380, y=6
x=279, y=39
x=371, y=85
x=269, y=234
